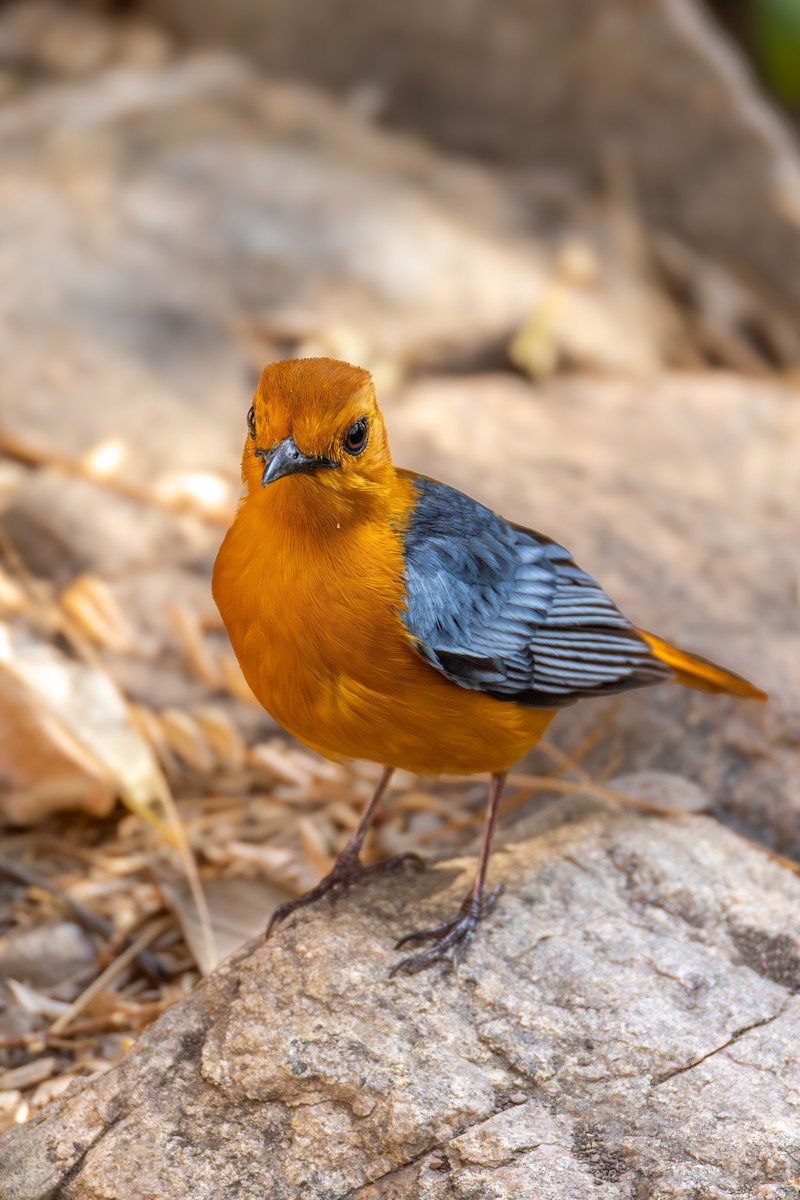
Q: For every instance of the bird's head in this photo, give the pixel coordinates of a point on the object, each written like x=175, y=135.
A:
x=315, y=420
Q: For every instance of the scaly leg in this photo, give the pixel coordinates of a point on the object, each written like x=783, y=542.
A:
x=451, y=939
x=348, y=868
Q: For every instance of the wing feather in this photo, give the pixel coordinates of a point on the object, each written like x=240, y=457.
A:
x=503, y=610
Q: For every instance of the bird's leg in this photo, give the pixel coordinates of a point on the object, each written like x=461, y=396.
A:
x=348, y=868
x=451, y=939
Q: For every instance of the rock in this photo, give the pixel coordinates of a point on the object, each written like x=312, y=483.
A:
x=662, y=789
x=626, y=1023
x=682, y=496
x=655, y=86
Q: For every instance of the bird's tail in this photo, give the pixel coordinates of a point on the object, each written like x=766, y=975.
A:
x=695, y=672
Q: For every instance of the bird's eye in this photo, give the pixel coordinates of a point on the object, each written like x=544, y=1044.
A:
x=356, y=437
x=251, y=421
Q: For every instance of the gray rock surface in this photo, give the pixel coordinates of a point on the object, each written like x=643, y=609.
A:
x=627, y=1024
x=567, y=87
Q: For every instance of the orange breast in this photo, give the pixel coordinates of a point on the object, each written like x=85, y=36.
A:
x=311, y=608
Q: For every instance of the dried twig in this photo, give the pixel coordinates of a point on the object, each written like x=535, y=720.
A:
x=117, y=1022
x=152, y=930
x=31, y=454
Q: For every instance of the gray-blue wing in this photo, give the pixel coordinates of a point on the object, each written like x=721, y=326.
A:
x=503, y=610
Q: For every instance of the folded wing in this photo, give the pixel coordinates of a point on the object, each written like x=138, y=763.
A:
x=503, y=610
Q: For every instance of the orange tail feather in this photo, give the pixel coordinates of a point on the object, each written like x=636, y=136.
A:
x=695, y=672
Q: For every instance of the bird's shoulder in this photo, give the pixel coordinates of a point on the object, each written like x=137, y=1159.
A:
x=448, y=536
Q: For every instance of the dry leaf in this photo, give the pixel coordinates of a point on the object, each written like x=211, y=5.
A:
x=90, y=603
x=65, y=737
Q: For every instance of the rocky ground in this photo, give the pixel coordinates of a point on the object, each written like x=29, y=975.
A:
x=171, y=220
x=627, y=1025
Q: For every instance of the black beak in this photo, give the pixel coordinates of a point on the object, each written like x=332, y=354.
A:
x=286, y=459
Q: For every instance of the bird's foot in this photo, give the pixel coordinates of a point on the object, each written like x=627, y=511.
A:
x=347, y=870
x=451, y=939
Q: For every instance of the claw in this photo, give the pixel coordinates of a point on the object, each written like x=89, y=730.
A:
x=347, y=870
x=451, y=939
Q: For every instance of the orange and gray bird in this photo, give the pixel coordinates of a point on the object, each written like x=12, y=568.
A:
x=382, y=615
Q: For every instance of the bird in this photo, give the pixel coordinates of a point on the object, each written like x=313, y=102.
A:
x=379, y=614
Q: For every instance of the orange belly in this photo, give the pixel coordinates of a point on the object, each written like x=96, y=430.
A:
x=313, y=619
x=422, y=722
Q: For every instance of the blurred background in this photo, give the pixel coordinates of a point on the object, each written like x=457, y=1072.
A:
x=566, y=240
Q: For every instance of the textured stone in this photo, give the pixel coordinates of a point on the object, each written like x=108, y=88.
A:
x=638, y=983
